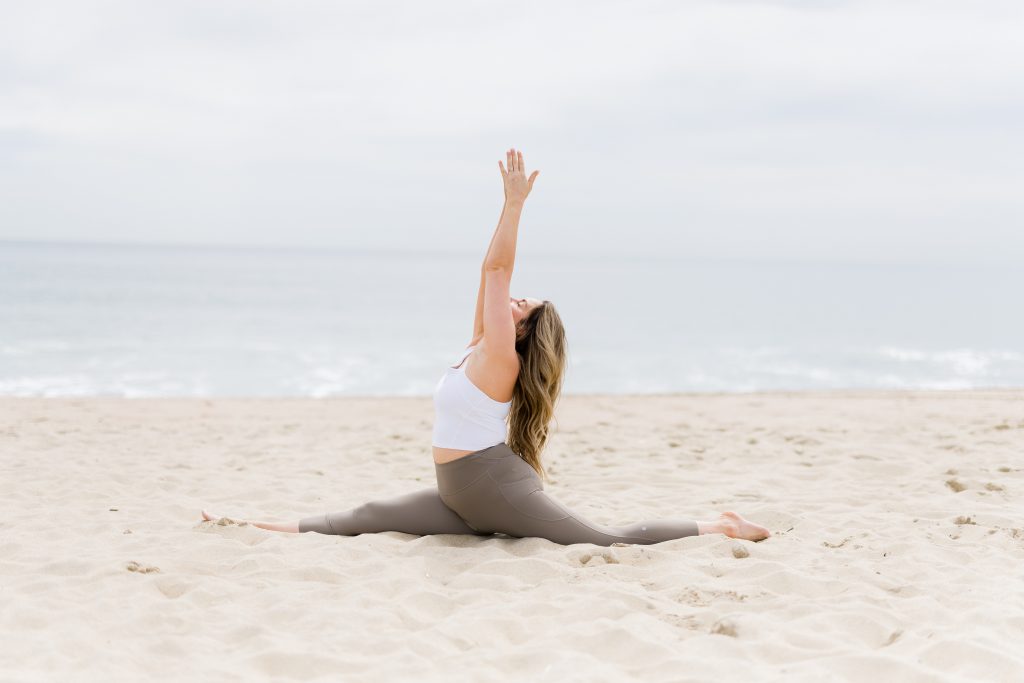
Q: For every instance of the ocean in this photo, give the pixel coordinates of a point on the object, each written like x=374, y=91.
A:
x=137, y=321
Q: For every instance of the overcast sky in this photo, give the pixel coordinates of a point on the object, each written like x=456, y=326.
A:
x=875, y=131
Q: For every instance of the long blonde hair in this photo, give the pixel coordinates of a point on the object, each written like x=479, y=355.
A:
x=541, y=347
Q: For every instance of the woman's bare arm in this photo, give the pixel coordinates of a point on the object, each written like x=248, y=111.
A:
x=515, y=195
x=478, y=319
x=499, y=329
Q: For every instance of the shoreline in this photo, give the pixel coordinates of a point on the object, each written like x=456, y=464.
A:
x=841, y=392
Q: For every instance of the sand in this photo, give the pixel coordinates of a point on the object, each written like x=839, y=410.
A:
x=898, y=523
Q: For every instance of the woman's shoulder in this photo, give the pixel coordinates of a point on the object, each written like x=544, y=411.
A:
x=492, y=373
x=500, y=357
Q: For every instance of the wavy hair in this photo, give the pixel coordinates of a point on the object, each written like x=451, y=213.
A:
x=541, y=347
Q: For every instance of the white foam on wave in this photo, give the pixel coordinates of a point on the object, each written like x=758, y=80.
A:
x=323, y=371
x=338, y=378
x=970, y=362
x=49, y=386
x=129, y=385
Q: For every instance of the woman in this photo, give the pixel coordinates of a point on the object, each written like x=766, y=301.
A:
x=489, y=480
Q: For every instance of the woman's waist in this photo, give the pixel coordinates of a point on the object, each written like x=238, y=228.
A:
x=497, y=463
x=445, y=455
x=457, y=456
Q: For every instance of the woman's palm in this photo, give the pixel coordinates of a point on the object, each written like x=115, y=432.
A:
x=517, y=185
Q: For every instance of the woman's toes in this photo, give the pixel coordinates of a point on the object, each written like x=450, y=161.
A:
x=756, y=532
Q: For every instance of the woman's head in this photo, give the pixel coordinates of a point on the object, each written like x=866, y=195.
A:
x=521, y=307
x=541, y=347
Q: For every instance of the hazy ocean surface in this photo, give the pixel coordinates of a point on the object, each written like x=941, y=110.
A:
x=129, y=320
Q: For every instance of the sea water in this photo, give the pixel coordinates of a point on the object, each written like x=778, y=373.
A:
x=134, y=320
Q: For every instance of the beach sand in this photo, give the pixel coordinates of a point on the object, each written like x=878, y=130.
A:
x=898, y=522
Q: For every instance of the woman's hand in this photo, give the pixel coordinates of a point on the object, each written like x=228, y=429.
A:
x=517, y=186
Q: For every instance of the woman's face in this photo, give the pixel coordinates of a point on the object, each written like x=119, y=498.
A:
x=522, y=307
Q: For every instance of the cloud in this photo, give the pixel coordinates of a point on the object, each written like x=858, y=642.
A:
x=753, y=129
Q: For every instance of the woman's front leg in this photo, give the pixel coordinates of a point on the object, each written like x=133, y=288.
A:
x=420, y=513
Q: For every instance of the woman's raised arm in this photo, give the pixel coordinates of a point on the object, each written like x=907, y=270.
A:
x=518, y=196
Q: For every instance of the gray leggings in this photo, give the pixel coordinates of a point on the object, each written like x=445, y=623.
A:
x=489, y=491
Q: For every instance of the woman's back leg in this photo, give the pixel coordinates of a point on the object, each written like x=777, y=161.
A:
x=535, y=513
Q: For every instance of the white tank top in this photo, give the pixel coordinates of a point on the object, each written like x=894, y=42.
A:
x=464, y=416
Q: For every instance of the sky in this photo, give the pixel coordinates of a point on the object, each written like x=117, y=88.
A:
x=878, y=131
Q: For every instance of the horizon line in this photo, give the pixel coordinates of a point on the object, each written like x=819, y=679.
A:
x=660, y=256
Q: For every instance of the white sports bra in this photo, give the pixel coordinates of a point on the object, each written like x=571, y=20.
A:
x=465, y=417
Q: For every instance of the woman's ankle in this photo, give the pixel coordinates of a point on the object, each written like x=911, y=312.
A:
x=709, y=527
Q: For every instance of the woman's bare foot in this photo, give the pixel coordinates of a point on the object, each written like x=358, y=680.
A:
x=734, y=526
x=224, y=521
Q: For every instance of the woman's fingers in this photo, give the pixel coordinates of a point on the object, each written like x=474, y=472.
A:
x=502, y=167
x=514, y=159
x=532, y=177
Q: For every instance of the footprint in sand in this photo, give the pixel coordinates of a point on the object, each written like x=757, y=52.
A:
x=172, y=588
x=595, y=559
x=955, y=485
x=725, y=627
x=134, y=566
